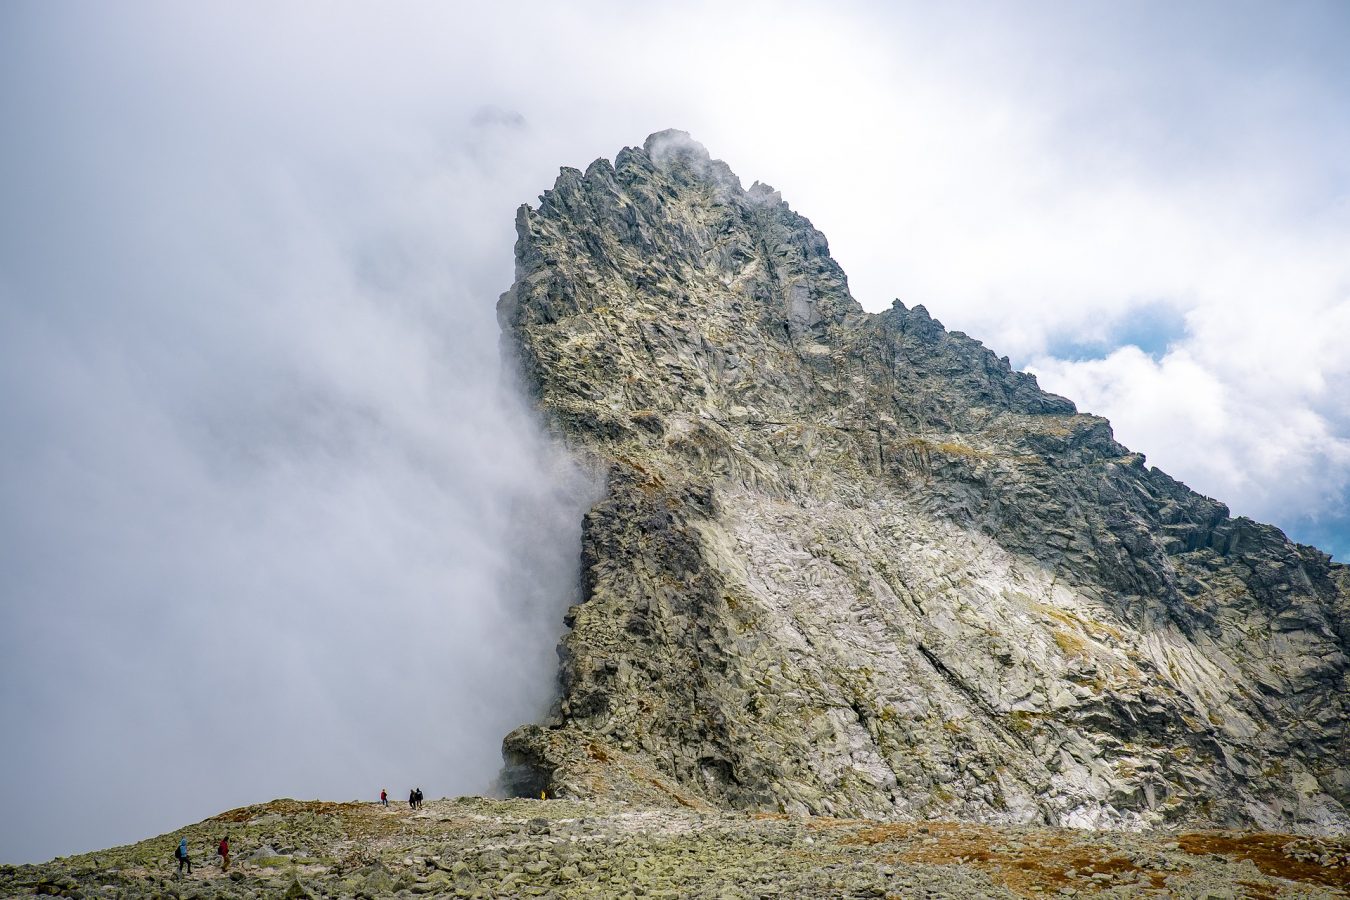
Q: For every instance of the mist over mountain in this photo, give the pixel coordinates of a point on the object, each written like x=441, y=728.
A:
x=860, y=610
x=271, y=524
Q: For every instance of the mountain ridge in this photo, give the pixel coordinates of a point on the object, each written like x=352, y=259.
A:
x=855, y=564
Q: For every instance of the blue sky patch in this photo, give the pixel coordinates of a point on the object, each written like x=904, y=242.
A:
x=1152, y=327
x=1329, y=535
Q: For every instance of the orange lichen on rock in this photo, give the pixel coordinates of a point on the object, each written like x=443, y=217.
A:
x=1279, y=855
x=1039, y=863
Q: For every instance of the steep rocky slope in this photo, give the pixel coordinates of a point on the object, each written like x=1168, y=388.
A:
x=855, y=565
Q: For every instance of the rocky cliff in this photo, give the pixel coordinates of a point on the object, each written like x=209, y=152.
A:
x=854, y=564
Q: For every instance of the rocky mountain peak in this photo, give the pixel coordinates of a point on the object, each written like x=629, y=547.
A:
x=672, y=147
x=856, y=564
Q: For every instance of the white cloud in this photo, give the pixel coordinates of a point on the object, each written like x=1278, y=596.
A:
x=1263, y=448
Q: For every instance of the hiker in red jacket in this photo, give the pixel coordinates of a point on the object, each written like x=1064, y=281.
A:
x=384, y=797
x=223, y=851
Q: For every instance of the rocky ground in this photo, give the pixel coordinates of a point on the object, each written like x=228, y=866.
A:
x=472, y=847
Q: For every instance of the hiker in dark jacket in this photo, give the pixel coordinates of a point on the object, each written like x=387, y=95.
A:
x=181, y=854
x=412, y=799
x=419, y=798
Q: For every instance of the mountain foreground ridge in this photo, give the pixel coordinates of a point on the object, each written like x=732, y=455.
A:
x=854, y=564
x=472, y=847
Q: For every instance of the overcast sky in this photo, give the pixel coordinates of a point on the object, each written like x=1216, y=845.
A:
x=270, y=524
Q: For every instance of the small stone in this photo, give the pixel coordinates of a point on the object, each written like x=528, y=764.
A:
x=297, y=891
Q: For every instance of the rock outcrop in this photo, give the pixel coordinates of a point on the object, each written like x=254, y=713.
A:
x=854, y=564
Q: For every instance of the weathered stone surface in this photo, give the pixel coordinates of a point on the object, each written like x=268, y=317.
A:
x=608, y=849
x=854, y=564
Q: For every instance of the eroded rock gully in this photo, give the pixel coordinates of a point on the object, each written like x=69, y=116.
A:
x=853, y=564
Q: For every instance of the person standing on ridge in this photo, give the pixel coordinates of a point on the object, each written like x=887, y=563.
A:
x=419, y=798
x=412, y=799
x=384, y=797
x=223, y=851
x=181, y=854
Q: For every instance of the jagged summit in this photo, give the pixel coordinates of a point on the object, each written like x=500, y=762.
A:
x=855, y=564
x=674, y=145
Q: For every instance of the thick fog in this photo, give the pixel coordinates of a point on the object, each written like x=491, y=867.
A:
x=272, y=521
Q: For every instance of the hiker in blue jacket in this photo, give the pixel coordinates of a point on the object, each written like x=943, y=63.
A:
x=182, y=856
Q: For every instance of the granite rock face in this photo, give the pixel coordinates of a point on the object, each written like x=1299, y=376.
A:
x=853, y=564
